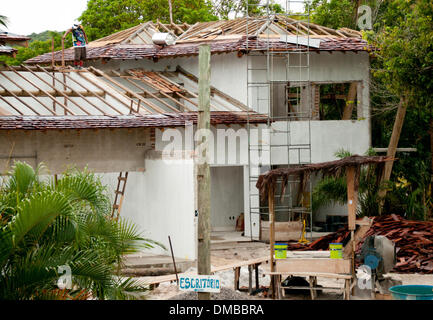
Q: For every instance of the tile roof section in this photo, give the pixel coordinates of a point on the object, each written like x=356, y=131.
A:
x=7, y=36
x=133, y=52
x=7, y=50
x=125, y=121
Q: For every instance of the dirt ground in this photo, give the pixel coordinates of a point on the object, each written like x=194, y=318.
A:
x=224, y=254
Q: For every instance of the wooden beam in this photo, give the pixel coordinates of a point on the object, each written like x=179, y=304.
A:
x=92, y=92
x=58, y=91
x=44, y=91
x=190, y=92
x=73, y=91
x=203, y=171
x=108, y=92
x=121, y=86
x=22, y=101
x=214, y=90
x=148, y=93
x=150, y=84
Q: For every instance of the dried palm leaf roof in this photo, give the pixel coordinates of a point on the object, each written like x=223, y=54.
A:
x=331, y=168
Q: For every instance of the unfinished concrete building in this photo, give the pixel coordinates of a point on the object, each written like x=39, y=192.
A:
x=117, y=116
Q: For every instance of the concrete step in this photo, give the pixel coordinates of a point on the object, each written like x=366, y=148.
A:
x=146, y=272
x=156, y=261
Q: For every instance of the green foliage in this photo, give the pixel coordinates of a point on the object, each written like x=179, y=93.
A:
x=406, y=52
x=45, y=225
x=104, y=17
x=404, y=69
x=4, y=21
x=237, y=8
x=333, y=13
x=333, y=190
x=38, y=47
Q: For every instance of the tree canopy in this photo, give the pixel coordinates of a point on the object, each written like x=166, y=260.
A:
x=104, y=17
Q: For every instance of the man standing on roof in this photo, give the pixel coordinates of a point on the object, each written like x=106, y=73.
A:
x=79, y=41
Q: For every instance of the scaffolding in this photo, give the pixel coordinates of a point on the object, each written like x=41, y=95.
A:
x=288, y=139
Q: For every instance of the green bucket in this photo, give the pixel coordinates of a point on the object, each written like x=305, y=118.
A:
x=280, y=250
x=336, y=250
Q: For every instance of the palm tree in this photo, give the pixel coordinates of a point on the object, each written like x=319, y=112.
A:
x=4, y=21
x=333, y=190
x=48, y=226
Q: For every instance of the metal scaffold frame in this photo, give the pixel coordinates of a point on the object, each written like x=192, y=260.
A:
x=259, y=92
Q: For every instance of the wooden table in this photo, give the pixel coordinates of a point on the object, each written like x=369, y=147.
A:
x=312, y=279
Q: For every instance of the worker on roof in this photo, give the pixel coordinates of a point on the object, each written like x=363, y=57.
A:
x=79, y=41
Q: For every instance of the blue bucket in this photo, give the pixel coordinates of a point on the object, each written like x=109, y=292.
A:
x=412, y=292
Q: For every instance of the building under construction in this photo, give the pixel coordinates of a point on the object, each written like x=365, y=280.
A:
x=123, y=115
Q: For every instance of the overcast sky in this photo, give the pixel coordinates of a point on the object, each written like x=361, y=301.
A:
x=28, y=16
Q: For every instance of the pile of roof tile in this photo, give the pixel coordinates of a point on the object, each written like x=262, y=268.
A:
x=413, y=241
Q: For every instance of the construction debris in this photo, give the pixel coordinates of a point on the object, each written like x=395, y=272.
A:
x=413, y=241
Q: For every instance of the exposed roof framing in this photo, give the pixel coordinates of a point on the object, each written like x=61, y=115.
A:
x=39, y=91
x=279, y=25
x=223, y=36
x=141, y=34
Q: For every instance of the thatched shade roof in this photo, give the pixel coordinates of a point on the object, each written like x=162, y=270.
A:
x=330, y=168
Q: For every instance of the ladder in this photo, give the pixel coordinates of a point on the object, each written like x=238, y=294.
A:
x=120, y=190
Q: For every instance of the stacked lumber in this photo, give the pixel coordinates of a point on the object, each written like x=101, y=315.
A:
x=413, y=241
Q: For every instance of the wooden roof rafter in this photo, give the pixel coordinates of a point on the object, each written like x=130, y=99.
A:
x=92, y=92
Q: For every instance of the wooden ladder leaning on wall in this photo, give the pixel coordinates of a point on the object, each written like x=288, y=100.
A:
x=120, y=190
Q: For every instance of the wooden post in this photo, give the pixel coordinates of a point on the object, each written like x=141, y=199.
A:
x=170, y=9
x=63, y=53
x=392, y=147
x=350, y=101
x=352, y=199
x=272, y=235
x=203, y=171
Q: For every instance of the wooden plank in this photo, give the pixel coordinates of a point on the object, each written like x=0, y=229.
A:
x=319, y=265
x=316, y=274
x=284, y=231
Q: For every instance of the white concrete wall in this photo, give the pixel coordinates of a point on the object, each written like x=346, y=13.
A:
x=102, y=150
x=326, y=137
x=160, y=201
